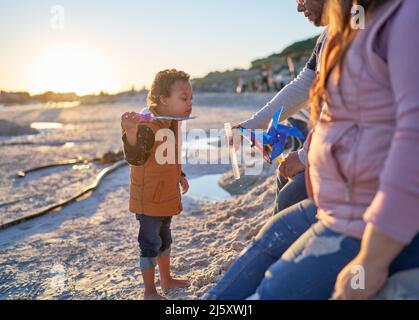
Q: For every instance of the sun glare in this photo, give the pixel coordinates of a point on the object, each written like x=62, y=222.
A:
x=68, y=68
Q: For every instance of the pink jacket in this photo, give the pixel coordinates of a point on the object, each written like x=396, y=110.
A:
x=363, y=158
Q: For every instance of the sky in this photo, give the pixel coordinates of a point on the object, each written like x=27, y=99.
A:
x=89, y=46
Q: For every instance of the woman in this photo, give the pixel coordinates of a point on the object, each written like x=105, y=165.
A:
x=361, y=167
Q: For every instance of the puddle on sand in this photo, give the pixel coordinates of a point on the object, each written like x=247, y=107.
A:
x=206, y=188
x=46, y=125
x=202, y=143
x=69, y=145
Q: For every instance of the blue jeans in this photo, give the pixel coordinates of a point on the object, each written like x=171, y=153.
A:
x=289, y=192
x=279, y=233
x=309, y=268
x=154, y=238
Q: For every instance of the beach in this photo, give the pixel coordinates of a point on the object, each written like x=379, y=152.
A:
x=89, y=249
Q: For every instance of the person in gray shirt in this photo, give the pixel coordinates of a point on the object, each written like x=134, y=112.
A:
x=247, y=271
x=293, y=98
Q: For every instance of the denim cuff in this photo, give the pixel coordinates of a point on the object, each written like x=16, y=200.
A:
x=147, y=263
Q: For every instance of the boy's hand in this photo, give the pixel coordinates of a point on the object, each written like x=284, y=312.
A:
x=184, y=184
x=128, y=121
x=129, y=124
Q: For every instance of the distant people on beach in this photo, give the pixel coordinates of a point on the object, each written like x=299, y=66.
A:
x=242, y=85
x=251, y=83
x=266, y=79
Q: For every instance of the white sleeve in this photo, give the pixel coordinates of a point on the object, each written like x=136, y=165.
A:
x=302, y=154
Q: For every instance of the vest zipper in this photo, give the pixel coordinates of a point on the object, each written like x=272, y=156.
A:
x=347, y=191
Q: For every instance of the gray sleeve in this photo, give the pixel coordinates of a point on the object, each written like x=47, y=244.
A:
x=292, y=97
x=314, y=60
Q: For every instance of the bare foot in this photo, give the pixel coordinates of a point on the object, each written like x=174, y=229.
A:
x=175, y=283
x=153, y=296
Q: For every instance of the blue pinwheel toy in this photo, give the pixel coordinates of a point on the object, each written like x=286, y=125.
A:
x=274, y=139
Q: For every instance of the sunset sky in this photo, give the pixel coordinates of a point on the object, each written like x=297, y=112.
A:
x=89, y=46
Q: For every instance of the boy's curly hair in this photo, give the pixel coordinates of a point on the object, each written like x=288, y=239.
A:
x=162, y=85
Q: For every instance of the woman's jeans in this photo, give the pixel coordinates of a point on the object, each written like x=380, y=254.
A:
x=246, y=273
x=295, y=258
x=309, y=268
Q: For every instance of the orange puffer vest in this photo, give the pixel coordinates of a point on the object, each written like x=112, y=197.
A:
x=154, y=187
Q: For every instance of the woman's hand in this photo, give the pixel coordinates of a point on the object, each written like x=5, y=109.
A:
x=377, y=253
x=360, y=272
x=184, y=184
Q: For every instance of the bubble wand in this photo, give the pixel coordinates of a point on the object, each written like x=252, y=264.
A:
x=149, y=117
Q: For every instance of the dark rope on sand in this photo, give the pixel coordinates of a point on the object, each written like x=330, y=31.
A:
x=22, y=174
x=102, y=174
x=109, y=157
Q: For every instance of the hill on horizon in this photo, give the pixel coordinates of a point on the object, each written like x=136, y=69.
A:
x=226, y=81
